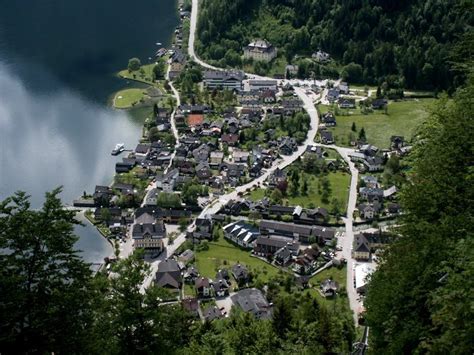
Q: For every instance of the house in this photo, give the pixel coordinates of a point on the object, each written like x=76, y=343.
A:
x=124, y=189
x=230, y=139
x=326, y=137
x=370, y=181
x=190, y=275
x=260, y=50
x=201, y=154
x=240, y=156
x=373, y=163
x=195, y=119
x=276, y=177
x=174, y=216
x=241, y=233
x=203, y=228
x=369, y=210
x=297, y=232
x=142, y=150
x=168, y=275
x=186, y=256
x=329, y=119
x=102, y=195
x=149, y=236
x=393, y=208
x=203, y=171
x=268, y=245
x=203, y=287
x=287, y=145
x=223, y=274
x=211, y=313
x=397, y=142
x=191, y=305
x=251, y=300
x=291, y=69
x=285, y=254
x=378, y=104
x=125, y=165
x=240, y=273
x=216, y=158
x=321, y=57
x=329, y=288
x=223, y=79
x=346, y=103
x=167, y=182
x=268, y=96
x=310, y=216
x=371, y=194
x=343, y=88
x=369, y=150
x=260, y=85
x=332, y=95
x=360, y=249
x=220, y=287
x=307, y=261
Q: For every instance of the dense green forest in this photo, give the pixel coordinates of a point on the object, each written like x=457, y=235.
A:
x=405, y=43
x=420, y=299
x=51, y=303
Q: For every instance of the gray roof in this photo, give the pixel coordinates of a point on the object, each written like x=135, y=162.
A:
x=224, y=75
x=155, y=230
x=252, y=300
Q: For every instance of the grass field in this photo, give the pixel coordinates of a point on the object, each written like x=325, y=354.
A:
x=222, y=254
x=145, y=77
x=128, y=98
x=339, y=189
x=339, y=275
x=402, y=119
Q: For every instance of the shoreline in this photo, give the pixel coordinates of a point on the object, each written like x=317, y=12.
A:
x=111, y=104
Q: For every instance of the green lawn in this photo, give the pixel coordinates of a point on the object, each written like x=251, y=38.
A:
x=189, y=290
x=128, y=98
x=146, y=77
x=403, y=118
x=339, y=275
x=339, y=182
x=220, y=252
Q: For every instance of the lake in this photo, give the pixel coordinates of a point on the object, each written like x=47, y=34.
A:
x=58, y=61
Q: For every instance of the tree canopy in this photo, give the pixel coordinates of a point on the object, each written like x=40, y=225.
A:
x=404, y=43
x=420, y=299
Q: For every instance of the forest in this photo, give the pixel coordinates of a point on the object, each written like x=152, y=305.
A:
x=406, y=44
x=50, y=302
x=420, y=298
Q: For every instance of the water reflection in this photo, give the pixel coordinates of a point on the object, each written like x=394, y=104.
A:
x=58, y=138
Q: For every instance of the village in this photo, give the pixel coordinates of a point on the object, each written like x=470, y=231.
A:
x=245, y=185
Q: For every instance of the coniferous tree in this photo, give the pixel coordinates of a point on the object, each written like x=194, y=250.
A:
x=44, y=282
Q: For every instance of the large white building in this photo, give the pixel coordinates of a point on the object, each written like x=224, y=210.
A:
x=224, y=79
x=260, y=50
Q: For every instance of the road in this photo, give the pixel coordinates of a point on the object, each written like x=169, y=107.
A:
x=192, y=35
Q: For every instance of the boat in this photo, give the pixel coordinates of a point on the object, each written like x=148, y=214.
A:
x=158, y=43
x=119, y=148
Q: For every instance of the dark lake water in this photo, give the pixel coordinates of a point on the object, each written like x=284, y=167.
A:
x=58, y=61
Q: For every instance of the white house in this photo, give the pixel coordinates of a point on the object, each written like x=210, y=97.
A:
x=260, y=50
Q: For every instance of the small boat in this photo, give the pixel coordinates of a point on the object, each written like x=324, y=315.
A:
x=119, y=148
x=158, y=43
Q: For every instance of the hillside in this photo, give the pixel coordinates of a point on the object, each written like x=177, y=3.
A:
x=405, y=43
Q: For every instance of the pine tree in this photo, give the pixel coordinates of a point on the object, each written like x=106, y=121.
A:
x=44, y=283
